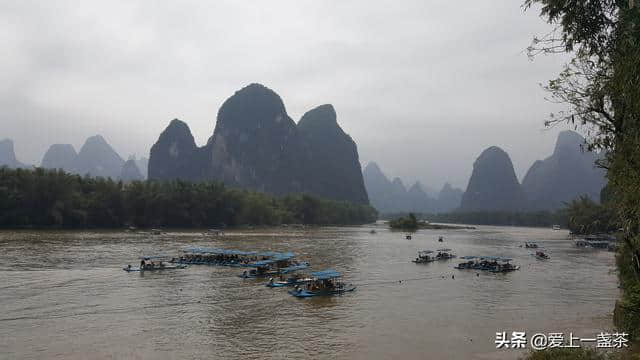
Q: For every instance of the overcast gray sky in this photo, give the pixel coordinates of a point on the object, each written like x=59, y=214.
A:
x=422, y=86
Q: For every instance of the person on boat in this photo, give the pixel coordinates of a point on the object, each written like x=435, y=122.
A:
x=271, y=281
x=129, y=267
x=142, y=264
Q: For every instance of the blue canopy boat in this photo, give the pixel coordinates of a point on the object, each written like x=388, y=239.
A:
x=278, y=264
x=216, y=256
x=153, y=263
x=469, y=262
x=325, y=283
x=293, y=279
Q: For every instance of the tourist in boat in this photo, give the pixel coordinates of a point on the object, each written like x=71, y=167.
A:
x=142, y=264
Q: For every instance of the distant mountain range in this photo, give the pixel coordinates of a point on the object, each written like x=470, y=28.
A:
x=391, y=196
x=8, y=155
x=96, y=158
x=567, y=174
x=493, y=186
x=256, y=145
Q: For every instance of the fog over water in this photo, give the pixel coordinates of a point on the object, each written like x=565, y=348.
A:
x=422, y=87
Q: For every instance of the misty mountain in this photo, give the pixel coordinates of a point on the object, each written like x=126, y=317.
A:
x=130, y=172
x=392, y=196
x=176, y=155
x=449, y=198
x=97, y=158
x=493, y=185
x=565, y=175
x=256, y=145
x=333, y=169
x=8, y=155
x=60, y=156
x=143, y=166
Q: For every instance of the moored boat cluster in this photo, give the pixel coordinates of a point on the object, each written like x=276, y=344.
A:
x=280, y=268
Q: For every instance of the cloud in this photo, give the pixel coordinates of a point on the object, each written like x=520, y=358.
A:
x=421, y=86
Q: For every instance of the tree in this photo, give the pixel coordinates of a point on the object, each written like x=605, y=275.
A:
x=601, y=86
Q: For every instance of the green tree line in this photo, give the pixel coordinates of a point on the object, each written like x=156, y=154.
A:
x=52, y=198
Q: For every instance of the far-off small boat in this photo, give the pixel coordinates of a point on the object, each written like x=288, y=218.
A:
x=540, y=255
x=530, y=245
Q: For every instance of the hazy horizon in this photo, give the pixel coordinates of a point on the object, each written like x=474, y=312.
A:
x=421, y=88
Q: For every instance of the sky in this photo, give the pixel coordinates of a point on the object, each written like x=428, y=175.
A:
x=421, y=86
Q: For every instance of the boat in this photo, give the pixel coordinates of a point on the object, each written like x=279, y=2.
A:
x=424, y=257
x=324, y=283
x=530, y=245
x=540, y=255
x=469, y=263
x=408, y=237
x=444, y=254
x=293, y=280
x=440, y=239
x=221, y=257
x=556, y=227
x=597, y=241
x=495, y=264
x=373, y=231
x=278, y=264
x=504, y=265
x=153, y=263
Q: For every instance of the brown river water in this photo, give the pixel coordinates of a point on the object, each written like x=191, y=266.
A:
x=63, y=295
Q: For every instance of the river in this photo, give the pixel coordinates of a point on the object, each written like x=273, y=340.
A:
x=63, y=295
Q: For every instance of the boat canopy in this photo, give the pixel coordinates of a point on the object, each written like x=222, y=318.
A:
x=269, y=253
x=276, y=257
x=444, y=249
x=294, y=268
x=496, y=258
x=155, y=257
x=326, y=274
x=217, y=251
x=283, y=256
x=261, y=263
